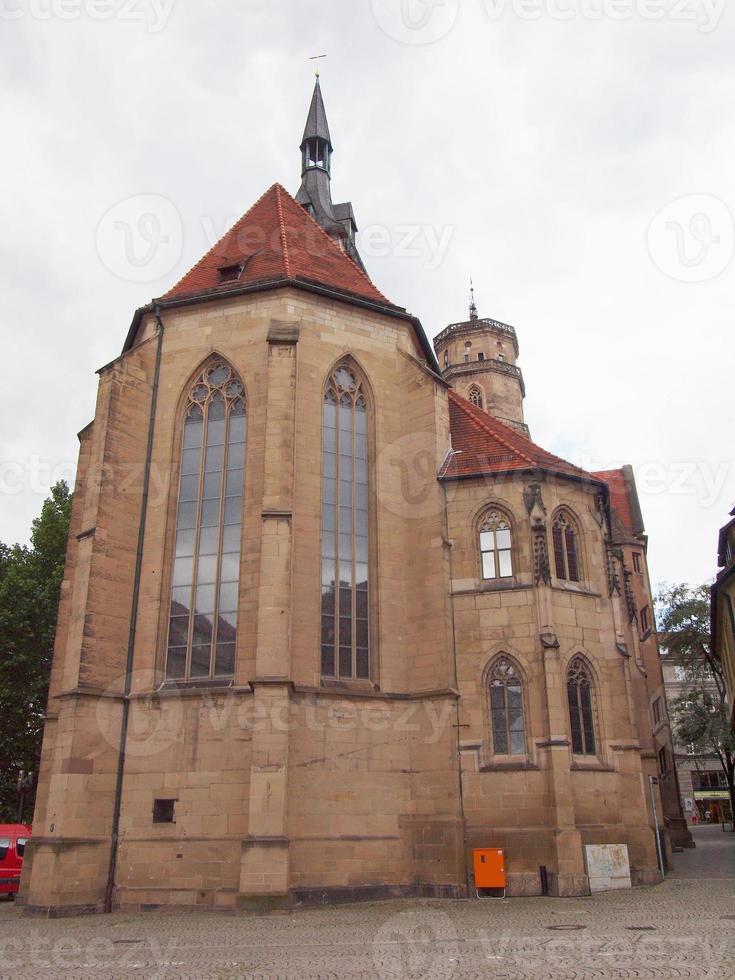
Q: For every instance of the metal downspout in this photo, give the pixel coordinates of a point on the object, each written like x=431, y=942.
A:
x=133, y=626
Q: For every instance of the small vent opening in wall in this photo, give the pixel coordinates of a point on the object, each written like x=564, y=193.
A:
x=164, y=811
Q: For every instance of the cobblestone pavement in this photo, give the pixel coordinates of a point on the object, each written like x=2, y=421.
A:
x=683, y=928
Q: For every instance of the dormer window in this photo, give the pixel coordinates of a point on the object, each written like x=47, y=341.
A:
x=230, y=273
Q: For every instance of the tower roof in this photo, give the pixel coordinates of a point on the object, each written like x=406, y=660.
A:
x=276, y=240
x=316, y=122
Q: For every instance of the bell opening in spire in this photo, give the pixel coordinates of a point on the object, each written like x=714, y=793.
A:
x=316, y=154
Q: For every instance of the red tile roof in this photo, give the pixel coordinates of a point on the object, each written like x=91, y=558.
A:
x=619, y=499
x=482, y=445
x=277, y=240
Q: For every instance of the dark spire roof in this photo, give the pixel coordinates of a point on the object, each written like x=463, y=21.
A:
x=316, y=122
x=315, y=193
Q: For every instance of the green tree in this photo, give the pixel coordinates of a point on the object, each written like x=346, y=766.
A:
x=700, y=713
x=30, y=582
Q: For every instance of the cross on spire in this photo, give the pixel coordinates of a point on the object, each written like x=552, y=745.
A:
x=317, y=58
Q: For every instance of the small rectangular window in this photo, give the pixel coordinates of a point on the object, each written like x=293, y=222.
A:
x=163, y=811
x=663, y=763
x=637, y=565
x=480, y=356
x=657, y=714
x=20, y=846
x=645, y=619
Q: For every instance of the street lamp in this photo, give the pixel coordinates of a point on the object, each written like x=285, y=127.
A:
x=25, y=783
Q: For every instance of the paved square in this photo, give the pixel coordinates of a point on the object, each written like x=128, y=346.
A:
x=684, y=928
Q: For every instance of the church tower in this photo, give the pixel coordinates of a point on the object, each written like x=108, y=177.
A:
x=478, y=359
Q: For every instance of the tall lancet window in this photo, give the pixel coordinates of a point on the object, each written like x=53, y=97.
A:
x=203, y=620
x=345, y=629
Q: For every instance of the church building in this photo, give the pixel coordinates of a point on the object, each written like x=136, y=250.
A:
x=330, y=618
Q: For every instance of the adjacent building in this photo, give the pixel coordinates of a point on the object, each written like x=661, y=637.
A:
x=698, y=778
x=723, y=610
x=330, y=619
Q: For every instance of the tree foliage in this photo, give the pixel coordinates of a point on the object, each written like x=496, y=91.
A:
x=700, y=713
x=30, y=582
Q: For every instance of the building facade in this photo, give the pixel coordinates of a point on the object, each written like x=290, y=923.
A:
x=723, y=610
x=702, y=784
x=330, y=619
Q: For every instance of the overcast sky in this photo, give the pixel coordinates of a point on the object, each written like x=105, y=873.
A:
x=574, y=156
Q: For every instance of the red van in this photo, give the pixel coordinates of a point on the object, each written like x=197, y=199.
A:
x=13, y=840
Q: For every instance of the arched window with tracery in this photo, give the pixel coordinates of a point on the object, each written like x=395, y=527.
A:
x=474, y=395
x=566, y=548
x=580, y=694
x=202, y=630
x=496, y=546
x=345, y=632
x=506, y=708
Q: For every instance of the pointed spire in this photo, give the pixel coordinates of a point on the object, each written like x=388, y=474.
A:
x=473, y=305
x=315, y=193
x=317, y=126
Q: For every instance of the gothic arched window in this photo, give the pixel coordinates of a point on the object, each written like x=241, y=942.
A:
x=204, y=591
x=566, y=548
x=475, y=396
x=345, y=647
x=496, y=546
x=506, y=709
x=580, y=693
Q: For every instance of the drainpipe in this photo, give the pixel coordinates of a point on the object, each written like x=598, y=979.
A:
x=133, y=625
x=456, y=686
x=653, y=781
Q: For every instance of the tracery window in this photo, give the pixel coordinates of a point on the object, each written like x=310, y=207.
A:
x=566, y=549
x=345, y=646
x=496, y=546
x=475, y=396
x=506, y=709
x=580, y=694
x=204, y=591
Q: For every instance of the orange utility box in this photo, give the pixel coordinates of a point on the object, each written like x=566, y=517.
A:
x=489, y=865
